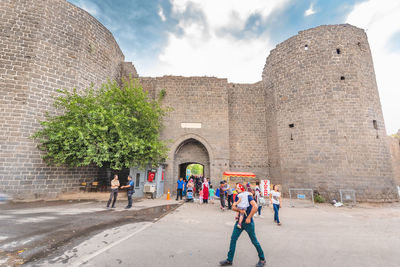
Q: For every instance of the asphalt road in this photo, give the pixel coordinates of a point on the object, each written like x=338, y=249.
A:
x=199, y=235
x=31, y=231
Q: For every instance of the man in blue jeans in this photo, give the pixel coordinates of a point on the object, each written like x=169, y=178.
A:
x=247, y=226
x=179, y=188
x=131, y=189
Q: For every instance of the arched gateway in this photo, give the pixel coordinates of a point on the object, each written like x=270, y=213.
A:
x=188, y=152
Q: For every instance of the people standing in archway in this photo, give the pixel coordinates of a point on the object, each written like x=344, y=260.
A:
x=190, y=191
x=179, y=188
x=184, y=186
x=205, y=188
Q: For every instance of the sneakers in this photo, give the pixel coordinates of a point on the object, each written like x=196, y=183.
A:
x=260, y=263
x=225, y=263
x=127, y=207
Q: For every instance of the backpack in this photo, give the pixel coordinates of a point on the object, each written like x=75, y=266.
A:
x=262, y=201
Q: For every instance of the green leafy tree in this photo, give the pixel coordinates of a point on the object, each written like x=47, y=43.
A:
x=196, y=169
x=112, y=126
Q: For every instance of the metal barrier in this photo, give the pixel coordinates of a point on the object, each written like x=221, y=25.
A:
x=348, y=196
x=301, y=197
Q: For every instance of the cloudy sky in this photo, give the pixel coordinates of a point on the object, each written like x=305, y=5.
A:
x=232, y=38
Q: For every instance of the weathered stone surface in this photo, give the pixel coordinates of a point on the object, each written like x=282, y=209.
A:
x=314, y=121
x=325, y=124
x=45, y=46
x=394, y=143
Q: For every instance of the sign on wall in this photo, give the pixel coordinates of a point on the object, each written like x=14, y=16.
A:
x=192, y=125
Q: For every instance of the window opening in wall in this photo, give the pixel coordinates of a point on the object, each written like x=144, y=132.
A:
x=342, y=78
x=137, y=182
x=291, y=125
x=291, y=136
x=306, y=47
x=375, y=123
x=338, y=51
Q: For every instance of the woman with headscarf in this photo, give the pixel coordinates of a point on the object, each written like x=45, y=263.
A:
x=205, y=188
x=248, y=187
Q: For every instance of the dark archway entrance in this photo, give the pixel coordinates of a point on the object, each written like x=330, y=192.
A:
x=184, y=166
x=190, y=151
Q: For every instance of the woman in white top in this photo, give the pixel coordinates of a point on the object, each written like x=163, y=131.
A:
x=276, y=201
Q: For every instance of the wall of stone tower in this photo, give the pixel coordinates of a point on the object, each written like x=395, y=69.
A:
x=325, y=125
x=199, y=100
x=395, y=153
x=45, y=45
x=247, y=131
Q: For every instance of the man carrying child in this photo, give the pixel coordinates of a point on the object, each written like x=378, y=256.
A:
x=247, y=226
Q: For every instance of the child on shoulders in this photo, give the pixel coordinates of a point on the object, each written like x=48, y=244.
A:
x=242, y=204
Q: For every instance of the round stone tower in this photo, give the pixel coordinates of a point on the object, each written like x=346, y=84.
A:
x=325, y=126
x=45, y=45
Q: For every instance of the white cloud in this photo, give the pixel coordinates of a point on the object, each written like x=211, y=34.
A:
x=88, y=6
x=161, y=14
x=202, y=51
x=309, y=11
x=380, y=19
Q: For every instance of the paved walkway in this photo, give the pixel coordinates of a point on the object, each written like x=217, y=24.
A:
x=198, y=235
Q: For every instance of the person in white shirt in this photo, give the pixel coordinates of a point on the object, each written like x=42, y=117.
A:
x=242, y=203
x=114, y=191
x=276, y=201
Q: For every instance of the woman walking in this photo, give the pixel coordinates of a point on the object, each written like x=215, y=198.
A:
x=205, y=188
x=114, y=191
x=276, y=201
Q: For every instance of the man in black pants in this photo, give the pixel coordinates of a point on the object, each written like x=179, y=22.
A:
x=131, y=190
x=229, y=192
x=179, y=188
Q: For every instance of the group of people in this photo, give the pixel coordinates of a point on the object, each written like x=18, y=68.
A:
x=191, y=187
x=206, y=192
x=115, y=185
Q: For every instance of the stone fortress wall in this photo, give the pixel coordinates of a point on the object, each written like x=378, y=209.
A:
x=326, y=114
x=45, y=45
x=303, y=125
x=394, y=143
